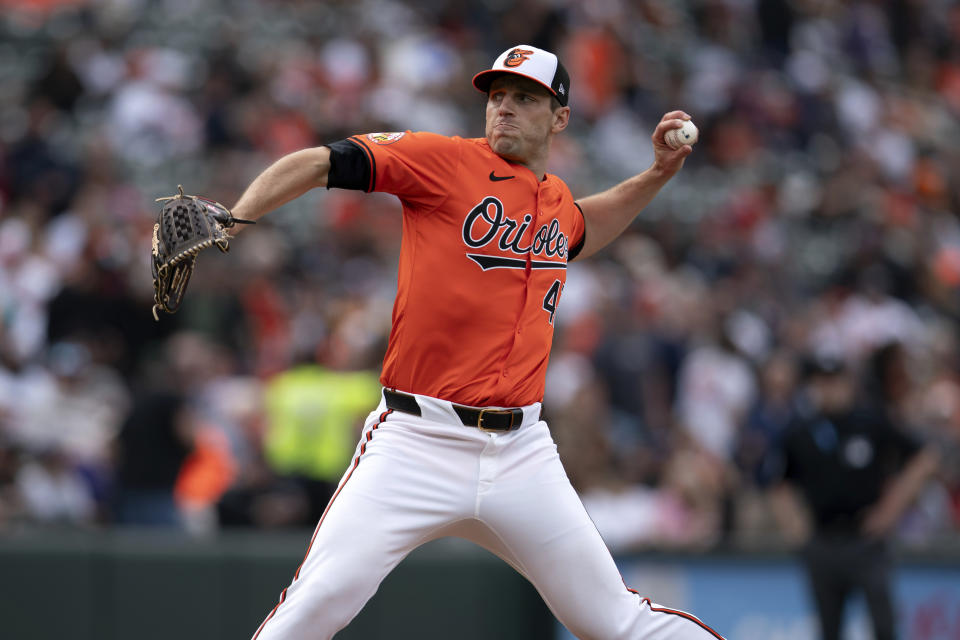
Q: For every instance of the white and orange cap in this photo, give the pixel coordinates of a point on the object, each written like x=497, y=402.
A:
x=530, y=62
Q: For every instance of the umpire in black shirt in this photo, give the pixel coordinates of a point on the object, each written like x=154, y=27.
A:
x=857, y=473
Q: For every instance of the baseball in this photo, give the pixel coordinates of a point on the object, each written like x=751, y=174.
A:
x=687, y=134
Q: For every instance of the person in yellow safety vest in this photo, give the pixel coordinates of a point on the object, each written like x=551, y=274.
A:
x=314, y=416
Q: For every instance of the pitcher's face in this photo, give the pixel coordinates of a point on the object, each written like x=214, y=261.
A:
x=521, y=118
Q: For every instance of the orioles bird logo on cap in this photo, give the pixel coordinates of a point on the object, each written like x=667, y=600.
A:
x=516, y=57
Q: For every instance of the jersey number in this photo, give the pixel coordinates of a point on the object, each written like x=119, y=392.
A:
x=550, y=300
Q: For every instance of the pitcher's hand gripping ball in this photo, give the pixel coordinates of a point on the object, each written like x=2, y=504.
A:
x=687, y=134
x=186, y=226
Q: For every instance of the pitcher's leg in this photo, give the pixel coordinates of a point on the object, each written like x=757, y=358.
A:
x=542, y=527
x=382, y=510
x=342, y=570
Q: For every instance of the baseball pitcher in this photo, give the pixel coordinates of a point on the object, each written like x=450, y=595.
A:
x=457, y=446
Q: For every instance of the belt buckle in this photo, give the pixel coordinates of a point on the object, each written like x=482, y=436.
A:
x=496, y=411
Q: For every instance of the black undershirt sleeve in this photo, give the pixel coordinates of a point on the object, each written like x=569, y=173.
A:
x=574, y=251
x=349, y=166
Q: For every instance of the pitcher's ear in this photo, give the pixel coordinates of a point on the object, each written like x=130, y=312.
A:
x=561, y=118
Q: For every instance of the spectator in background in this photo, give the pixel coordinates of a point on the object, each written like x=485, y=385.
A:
x=315, y=416
x=681, y=510
x=159, y=433
x=312, y=414
x=881, y=468
x=76, y=407
x=155, y=440
x=717, y=386
x=63, y=417
x=257, y=496
x=756, y=456
x=768, y=418
x=52, y=492
x=933, y=405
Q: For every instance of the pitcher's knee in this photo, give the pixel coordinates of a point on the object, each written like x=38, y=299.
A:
x=638, y=618
x=341, y=593
x=324, y=601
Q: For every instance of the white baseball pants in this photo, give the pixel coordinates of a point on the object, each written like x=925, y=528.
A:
x=414, y=479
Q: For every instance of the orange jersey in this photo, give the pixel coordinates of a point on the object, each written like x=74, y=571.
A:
x=482, y=266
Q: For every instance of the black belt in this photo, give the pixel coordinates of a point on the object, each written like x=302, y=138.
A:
x=483, y=419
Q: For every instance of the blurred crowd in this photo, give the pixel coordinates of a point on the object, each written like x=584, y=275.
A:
x=817, y=217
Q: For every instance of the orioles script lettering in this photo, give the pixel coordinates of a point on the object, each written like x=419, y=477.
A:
x=487, y=221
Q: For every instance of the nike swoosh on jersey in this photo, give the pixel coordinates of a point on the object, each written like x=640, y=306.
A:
x=494, y=178
x=500, y=262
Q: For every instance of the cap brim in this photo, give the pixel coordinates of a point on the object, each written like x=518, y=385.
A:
x=484, y=79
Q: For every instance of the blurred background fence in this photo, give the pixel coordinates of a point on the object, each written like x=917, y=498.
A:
x=818, y=216
x=148, y=586
x=139, y=584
